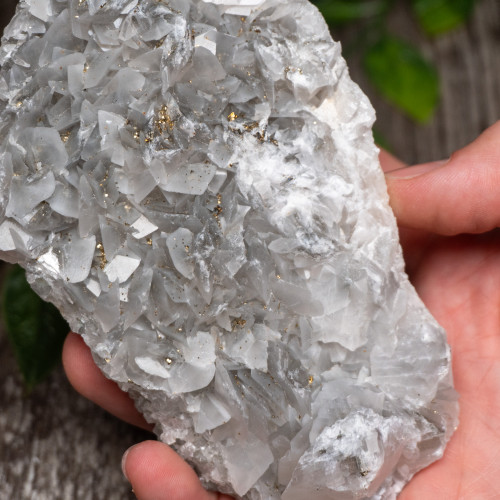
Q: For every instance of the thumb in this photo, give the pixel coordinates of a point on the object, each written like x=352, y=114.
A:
x=157, y=472
x=459, y=195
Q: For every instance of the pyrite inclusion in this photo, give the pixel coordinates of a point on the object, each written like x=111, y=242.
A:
x=195, y=185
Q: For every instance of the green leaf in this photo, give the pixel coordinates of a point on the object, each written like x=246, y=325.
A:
x=439, y=16
x=343, y=11
x=35, y=328
x=403, y=76
x=381, y=141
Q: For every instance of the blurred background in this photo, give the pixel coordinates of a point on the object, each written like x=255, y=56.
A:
x=432, y=71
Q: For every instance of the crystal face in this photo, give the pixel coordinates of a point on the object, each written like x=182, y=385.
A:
x=194, y=184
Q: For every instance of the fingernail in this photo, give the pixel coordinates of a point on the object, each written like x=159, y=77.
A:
x=416, y=171
x=124, y=459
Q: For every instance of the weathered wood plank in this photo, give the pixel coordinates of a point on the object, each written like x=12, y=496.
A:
x=56, y=445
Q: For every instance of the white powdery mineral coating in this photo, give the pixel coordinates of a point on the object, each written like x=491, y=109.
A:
x=195, y=185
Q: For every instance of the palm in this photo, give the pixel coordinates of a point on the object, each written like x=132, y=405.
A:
x=458, y=279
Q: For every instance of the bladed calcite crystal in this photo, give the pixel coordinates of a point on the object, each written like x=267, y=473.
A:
x=195, y=185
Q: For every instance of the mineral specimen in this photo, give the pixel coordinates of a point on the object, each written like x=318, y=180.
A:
x=195, y=185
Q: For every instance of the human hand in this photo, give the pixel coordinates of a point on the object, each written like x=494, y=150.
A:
x=448, y=215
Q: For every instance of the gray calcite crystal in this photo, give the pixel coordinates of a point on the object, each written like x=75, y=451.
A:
x=194, y=184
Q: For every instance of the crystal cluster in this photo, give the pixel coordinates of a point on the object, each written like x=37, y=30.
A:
x=195, y=185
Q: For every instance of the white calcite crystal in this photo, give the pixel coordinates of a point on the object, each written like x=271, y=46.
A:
x=195, y=185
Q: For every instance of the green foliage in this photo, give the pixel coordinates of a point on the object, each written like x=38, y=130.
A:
x=395, y=68
x=337, y=12
x=440, y=16
x=35, y=328
x=403, y=76
x=380, y=140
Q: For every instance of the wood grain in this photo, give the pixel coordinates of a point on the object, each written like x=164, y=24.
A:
x=56, y=445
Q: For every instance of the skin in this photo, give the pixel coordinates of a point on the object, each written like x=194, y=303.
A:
x=448, y=214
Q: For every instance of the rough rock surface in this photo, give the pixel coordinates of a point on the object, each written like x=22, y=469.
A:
x=195, y=185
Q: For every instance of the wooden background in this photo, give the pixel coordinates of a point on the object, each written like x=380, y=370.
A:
x=56, y=445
